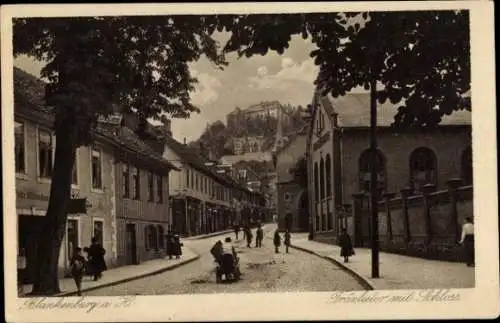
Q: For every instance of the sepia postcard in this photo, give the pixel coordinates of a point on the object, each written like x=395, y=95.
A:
x=249, y=161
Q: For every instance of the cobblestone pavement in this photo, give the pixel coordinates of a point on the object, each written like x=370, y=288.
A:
x=262, y=269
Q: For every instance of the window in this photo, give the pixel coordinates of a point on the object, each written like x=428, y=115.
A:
x=365, y=171
x=20, y=147
x=422, y=168
x=316, y=181
x=196, y=178
x=159, y=188
x=328, y=183
x=45, y=154
x=96, y=168
x=187, y=178
x=74, y=173
x=322, y=179
x=135, y=189
x=126, y=181
x=99, y=231
x=151, y=187
x=467, y=166
x=161, y=237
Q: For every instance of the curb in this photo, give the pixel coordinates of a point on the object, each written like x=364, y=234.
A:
x=359, y=278
x=215, y=234
x=125, y=280
x=206, y=236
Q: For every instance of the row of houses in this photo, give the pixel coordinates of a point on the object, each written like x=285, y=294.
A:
x=138, y=185
x=335, y=146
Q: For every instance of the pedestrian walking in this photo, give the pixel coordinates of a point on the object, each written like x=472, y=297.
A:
x=277, y=241
x=177, y=246
x=467, y=240
x=170, y=245
x=346, y=249
x=249, y=237
x=96, y=259
x=21, y=267
x=287, y=240
x=77, y=264
x=259, y=236
x=236, y=230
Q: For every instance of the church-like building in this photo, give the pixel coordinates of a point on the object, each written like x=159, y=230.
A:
x=339, y=161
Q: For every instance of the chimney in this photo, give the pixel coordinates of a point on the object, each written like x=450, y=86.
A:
x=167, y=126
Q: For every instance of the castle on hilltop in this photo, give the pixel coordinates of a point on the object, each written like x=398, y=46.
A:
x=270, y=113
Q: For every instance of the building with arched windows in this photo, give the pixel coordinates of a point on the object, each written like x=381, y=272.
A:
x=339, y=157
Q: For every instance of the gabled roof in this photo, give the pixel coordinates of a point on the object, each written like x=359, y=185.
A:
x=302, y=132
x=29, y=98
x=353, y=110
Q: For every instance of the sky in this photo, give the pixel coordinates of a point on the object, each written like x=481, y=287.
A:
x=287, y=78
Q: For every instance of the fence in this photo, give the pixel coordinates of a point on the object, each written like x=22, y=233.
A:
x=427, y=225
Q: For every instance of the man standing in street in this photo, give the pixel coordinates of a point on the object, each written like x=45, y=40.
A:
x=277, y=241
x=249, y=236
x=236, y=230
x=259, y=236
x=287, y=240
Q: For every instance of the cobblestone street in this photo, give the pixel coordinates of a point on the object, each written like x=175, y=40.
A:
x=262, y=269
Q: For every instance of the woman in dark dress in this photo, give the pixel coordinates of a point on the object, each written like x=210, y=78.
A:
x=170, y=244
x=277, y=241
x=346, y=249
x=96, y=259
x=177, y=246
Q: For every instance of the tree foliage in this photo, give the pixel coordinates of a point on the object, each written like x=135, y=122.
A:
x=421, y=58
x=94, y=64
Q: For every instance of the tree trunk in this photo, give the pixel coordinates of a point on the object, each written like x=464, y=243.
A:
x=50, y=238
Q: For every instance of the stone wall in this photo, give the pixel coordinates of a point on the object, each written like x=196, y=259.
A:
x=426, y=225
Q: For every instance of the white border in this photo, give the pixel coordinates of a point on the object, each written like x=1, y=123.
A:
x=480, y=302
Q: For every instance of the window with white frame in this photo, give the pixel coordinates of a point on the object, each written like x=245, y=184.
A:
x=126, y=180
x=136, y=189
x=159, y=188
x=20, y=147
x=151, y=187
x=96, y=168
x=74, y=172
x=45, y=154
x=99, y=231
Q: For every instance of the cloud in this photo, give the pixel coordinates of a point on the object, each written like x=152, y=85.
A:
x=262, y=71
x=290, y=74
x=206, y=90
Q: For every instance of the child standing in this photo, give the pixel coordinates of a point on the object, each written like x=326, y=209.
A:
x=77, y=269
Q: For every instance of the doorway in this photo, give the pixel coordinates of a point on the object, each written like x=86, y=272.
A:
x=131, y=251
x=29, y=228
